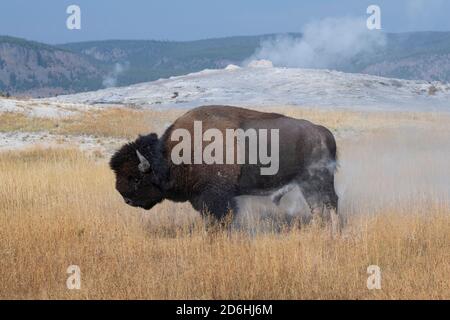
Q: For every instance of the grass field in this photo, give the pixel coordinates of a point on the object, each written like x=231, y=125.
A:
x=58, y=207
x=128, y=122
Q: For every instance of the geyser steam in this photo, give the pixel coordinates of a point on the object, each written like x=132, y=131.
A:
x=329, y=43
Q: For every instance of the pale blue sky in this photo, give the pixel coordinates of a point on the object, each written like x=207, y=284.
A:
x=44, y=20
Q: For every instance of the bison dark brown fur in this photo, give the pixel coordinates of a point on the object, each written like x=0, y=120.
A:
x=307, y=158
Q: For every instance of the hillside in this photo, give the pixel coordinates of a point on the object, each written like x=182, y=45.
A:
x=413, y=56
x=416, y=55
x=35, y=69
x=142, y=60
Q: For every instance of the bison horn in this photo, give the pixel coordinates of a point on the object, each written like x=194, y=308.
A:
x=144, y=165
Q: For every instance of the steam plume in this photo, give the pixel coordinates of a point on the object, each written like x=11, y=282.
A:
x=328, y=43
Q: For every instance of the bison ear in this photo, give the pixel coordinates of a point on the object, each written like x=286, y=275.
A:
x=144, y=165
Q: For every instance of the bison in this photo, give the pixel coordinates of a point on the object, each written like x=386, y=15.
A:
x=146, y=172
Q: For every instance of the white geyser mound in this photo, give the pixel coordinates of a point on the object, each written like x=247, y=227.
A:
x=231, y=67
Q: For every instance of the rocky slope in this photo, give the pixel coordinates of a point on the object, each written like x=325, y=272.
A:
x=34, y=69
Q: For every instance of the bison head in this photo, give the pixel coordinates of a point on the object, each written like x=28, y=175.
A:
x=140, y=172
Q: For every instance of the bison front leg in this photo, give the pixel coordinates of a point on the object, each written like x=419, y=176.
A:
x=217, y=203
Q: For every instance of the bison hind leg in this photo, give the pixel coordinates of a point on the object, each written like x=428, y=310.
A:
x=335, y=223
x=318, y=189
x=295, y=206
x=280, y=193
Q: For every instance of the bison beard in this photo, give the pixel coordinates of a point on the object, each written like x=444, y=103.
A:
x=146, y=175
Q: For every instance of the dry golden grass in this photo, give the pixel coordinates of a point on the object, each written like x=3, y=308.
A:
x=58, y=208
x=128, y=123
x=12, y=121
x=114, y=122
x=365, y=120
x=119, y=122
